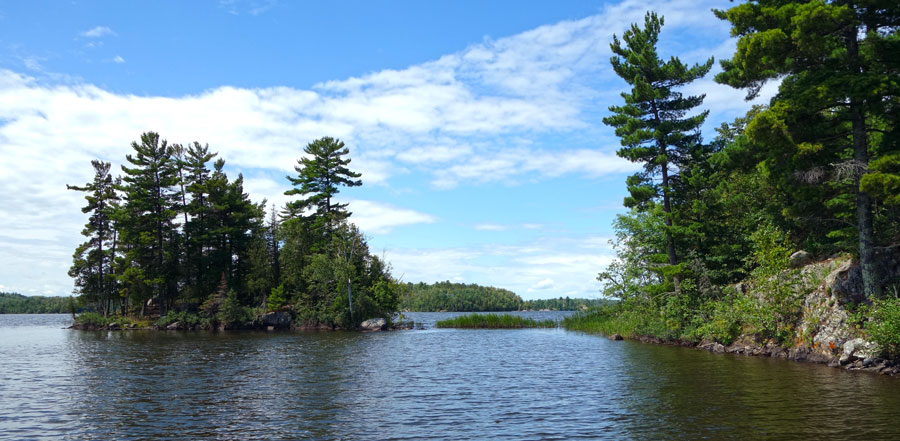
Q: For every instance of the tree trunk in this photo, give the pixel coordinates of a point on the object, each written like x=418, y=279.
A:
x=667, y=208
x=867, y=264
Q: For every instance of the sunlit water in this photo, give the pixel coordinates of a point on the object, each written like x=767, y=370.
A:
x=57, y=383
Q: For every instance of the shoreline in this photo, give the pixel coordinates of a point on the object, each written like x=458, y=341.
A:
x=846, y=361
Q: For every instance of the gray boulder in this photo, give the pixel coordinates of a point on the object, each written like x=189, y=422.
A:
x=276, y=320
x=375, y=324
x=173, y=326
x=800, y=258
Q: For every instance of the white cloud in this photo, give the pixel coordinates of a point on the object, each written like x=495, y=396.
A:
x=498, y=111
x=491, y=227
x=544, y=284
x=118, y=59
x=519, y=268
x=379, y=218
x=97, y=32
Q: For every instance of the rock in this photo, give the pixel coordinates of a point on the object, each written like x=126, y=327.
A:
x=616, y=337
x=173, y=326
x=276, y=320
x=374, y=324
x=800, y=258
x=113, y=326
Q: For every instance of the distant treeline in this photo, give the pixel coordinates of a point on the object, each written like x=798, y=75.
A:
x=563, y=304
x=461, y=297
x=12, y=303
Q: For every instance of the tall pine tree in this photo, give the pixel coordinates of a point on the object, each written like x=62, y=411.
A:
x=319, y=177
x=653, y=124
x=151, y=201
x=92, y=262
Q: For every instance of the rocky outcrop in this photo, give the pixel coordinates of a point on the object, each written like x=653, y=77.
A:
x=276, y=320
x=800, y=258
x=374, y=324
x=823, y=333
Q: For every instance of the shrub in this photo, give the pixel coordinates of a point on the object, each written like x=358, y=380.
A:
x=883, y=326
x=277, y=298
x=93, y=319
x=183, y=317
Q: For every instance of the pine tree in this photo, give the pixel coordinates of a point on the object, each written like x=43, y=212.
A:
x=653, y=123
x=151, y=200
x=92, y=262
x=319, y=179
x=840, y=84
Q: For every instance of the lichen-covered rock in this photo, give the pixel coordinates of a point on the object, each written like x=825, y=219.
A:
x=374, y=324
x=800, y=258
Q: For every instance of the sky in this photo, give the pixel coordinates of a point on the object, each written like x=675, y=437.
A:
x=477, y=126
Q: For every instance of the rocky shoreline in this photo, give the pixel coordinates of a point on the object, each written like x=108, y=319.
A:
x=856, y=355
x=272, y=321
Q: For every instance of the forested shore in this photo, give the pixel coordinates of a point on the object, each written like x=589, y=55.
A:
x=14, y=303
x=462, y=297
x=176, y=244
x=783, y=230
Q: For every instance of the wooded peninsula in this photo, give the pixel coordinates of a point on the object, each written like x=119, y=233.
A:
x=781, y=235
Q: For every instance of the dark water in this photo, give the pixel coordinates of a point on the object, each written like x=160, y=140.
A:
x=426, y=384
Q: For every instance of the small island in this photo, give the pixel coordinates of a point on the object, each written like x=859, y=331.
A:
x=175, y=244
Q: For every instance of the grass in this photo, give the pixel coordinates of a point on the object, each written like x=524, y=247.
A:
x=607, y=321
x=494, y=321
x=98, y=320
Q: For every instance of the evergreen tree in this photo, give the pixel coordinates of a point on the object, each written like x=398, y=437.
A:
x=92, y=262
x=200, y=281
x=841, y=82
x=653, y=123
x=319, y=177
x=151, y=201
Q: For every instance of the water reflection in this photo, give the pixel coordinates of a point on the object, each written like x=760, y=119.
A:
x=433, y=384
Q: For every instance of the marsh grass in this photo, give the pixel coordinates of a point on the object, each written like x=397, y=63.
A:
x=494, y=321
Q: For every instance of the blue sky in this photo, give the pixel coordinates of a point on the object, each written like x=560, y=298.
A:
x=476, y=125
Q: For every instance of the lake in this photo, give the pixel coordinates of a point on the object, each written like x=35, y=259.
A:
x=533, y=384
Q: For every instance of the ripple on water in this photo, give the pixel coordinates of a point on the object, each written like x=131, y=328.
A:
x=435, y=384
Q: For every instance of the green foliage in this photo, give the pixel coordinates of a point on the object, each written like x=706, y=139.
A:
x=186, y=237
x=447, y=296
x=12, y=303
x=562, y=304
x=232, y=312
x=277, y=298
x=319, y=176
x=186, y=319
x=494, y=321
x=654, y=126
x=93, y=319
x=883, y=326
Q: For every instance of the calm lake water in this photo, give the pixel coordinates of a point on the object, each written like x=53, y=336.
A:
x=424, y=384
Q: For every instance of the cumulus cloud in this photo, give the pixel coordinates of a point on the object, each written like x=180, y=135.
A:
x=542, y=268
x=379, y=218
x=491, y=227
x=544, y=284
x=504, y=110
x=98, y=32
x=118, y=59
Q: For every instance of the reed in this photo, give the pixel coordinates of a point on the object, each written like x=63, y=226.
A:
x=494, y=321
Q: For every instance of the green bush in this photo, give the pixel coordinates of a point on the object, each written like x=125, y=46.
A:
x=232, y=311
x=883, y=326
x=277, y=298
x=183, y=317
x=93, y=319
